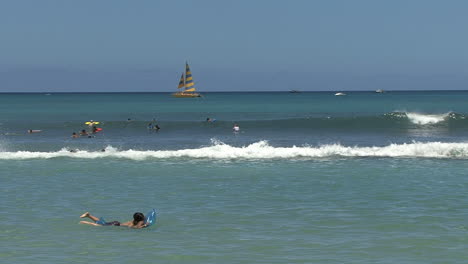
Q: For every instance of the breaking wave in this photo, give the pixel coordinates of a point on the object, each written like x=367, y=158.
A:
x=426, y=119
x=259, y=150
x=421, y=119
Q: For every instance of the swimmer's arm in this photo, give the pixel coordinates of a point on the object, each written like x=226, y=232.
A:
x=140, y=224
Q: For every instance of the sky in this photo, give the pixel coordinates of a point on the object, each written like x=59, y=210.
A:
x=242, y=45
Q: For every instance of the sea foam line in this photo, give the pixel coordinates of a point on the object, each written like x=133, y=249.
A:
x=260, y=150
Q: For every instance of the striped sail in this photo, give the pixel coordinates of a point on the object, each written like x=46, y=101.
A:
x=181, y=82
x=186, y=82
x=189, y=84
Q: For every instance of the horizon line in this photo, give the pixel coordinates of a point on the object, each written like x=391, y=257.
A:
x=281, y=91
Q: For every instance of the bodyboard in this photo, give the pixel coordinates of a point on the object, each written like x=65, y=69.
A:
x=150, y=218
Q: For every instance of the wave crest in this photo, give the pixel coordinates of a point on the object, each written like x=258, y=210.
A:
x=425, y=119
x=260, y=150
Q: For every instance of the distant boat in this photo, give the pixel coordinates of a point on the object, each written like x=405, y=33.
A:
x=186, y=82
x=294, y=91
x=340, y=94
x=379, y=91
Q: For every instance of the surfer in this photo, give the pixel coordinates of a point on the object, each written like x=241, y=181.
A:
x=137, y=222
x=30, y=131
x=74, y=135
x=83, y=133
x=236, y=128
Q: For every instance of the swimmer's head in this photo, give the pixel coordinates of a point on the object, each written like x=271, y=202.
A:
x=137, y=217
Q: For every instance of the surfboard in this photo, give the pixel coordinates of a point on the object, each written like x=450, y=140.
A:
x=92, y=122
x=150, y=218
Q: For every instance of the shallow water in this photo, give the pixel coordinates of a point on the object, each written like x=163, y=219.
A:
x=375, y=193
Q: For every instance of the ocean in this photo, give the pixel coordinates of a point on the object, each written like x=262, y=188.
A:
x=309, y=178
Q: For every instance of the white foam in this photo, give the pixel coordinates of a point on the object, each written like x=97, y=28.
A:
x=260, y=150
x=426, y=119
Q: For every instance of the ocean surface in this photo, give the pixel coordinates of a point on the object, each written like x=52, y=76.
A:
x=309, y=178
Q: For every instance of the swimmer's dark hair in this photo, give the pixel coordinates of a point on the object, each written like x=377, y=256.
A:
x=137, y=217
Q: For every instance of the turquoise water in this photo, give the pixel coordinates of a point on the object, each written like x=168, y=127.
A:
x=311, y=178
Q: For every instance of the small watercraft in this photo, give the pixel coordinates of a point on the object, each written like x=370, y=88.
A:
x=186, y=82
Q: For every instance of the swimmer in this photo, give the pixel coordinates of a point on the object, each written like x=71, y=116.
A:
x=153, y=126
x=236, y=128
x=74, y=135
x=137, y=222
x=83, y=133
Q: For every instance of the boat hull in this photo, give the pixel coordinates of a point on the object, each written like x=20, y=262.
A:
x=186, y=95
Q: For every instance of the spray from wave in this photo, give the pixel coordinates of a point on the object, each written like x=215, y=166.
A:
x=259, y=150
x=425, y=119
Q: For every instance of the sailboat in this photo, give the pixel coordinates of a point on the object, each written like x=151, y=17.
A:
x=186, y=82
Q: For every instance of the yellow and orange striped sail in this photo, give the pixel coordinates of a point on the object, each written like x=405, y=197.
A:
x=189, y=83
x=181, y=82
x=186, y=82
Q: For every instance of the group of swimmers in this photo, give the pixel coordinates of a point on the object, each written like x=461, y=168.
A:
x=84, y=133
x=152, y=126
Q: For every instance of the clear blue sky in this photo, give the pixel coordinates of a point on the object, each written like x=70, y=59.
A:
x=243, y=45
